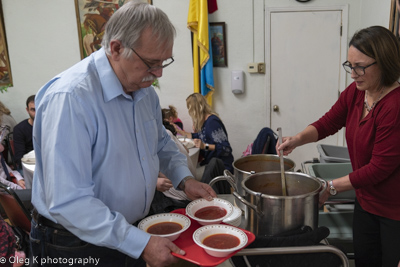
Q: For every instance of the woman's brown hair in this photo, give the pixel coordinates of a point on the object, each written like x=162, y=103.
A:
x=380, y=44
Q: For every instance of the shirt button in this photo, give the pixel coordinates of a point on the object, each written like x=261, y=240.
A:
x=143, y=158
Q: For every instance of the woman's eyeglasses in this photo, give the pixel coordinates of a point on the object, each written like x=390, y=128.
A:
x=360, y=71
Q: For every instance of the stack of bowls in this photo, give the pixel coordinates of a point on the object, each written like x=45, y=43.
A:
x=236, y=217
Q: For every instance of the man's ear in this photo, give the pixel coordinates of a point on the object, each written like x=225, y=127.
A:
x=116, y=49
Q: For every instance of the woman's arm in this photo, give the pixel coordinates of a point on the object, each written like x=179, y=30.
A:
x=182, y=132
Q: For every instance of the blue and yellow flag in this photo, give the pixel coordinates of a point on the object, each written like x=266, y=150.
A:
x=202, y=54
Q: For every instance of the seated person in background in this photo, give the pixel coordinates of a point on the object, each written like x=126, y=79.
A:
x=210, y=133
x=6, y=119
x=8, y=253
x=7, y=123
x=171, y=115
x=6, y=174
x=23, y=133
x=167, y=198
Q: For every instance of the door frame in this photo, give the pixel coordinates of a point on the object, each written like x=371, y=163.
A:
x=343, y=50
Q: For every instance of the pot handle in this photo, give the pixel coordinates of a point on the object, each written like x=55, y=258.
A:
x=244, y=201
x=324, y=185
x=222, y=178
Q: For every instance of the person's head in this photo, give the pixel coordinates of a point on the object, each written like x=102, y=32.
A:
x=167, y=124
x=30, y=107
x=138, y=41
x=4, y=110
x=169, y=114
x=198, y=109
x=370, y=45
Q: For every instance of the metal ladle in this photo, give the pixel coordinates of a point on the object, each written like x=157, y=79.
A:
x=283, y=178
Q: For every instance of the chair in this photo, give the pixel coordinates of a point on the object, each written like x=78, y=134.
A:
x=265, y=142
x=15, y=210
x=10, y=145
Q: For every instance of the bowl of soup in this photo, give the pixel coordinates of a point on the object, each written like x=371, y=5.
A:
x=168, y=225
x=220, y=240
x=209, y=212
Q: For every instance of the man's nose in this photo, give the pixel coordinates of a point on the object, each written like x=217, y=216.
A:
x=157, y=72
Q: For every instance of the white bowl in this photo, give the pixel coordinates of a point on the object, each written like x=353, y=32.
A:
x=205, y=231
x=236, y=217
x=200, y=203
x=166, y=217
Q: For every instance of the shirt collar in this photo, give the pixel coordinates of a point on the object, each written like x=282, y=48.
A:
x=111, y=86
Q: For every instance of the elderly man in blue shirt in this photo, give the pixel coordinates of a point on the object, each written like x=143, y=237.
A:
x=100, y=144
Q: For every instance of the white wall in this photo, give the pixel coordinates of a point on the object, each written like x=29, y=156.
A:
x=42, y=41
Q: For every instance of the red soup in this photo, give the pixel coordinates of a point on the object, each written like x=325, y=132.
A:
x=164, y=228
x=210, y=213
x=221, y=241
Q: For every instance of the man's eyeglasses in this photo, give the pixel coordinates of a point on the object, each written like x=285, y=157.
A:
x=360, y=71
x=166, y=63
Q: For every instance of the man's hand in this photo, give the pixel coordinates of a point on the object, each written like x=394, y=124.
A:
x=158, y=252
x=195, y=189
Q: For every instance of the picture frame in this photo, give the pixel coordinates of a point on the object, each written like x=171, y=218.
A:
x=91, y=17
x=394, y=18
x=218, y=43
x=5, y=70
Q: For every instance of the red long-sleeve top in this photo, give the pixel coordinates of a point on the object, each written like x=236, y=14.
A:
x=374, y=148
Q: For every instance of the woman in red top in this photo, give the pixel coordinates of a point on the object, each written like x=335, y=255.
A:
x=370, y=110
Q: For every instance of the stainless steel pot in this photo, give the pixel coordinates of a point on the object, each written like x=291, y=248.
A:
x=251, y=164
x=271, y=213
x=248, y=165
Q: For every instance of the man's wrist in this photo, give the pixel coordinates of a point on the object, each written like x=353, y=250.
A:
x=181, y=185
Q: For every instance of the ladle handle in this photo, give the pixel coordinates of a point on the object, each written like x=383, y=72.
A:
x=283, y=178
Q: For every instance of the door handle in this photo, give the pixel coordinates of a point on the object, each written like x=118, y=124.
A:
x=275, y=108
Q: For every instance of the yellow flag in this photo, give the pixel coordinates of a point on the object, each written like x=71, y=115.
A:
x=198, y=24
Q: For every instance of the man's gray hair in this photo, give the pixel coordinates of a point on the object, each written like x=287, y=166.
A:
x=128, y=23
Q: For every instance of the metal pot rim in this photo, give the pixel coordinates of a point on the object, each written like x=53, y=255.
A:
x=259, y=155
x=281, y=197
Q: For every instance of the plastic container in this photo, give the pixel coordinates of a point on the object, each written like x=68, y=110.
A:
x=329, y=171
x=333, y=154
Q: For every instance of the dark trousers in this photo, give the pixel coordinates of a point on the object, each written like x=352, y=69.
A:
x=376, y=239
x=54, y=247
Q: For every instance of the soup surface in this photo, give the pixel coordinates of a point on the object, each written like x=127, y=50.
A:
x=221, y=241
x=210, y=213
x=164, y=228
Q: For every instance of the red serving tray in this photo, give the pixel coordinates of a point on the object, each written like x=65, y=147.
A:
x=196, y=254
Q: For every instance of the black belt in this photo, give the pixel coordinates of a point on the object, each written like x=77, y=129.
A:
x=41, y=220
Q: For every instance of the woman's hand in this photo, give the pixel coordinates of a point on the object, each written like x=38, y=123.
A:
x=198, y=143
x=21, y=183
x=308, y=135
x=288, y=145
x=323, y=197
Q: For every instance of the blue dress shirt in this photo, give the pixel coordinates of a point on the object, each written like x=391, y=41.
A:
x=98, y=154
